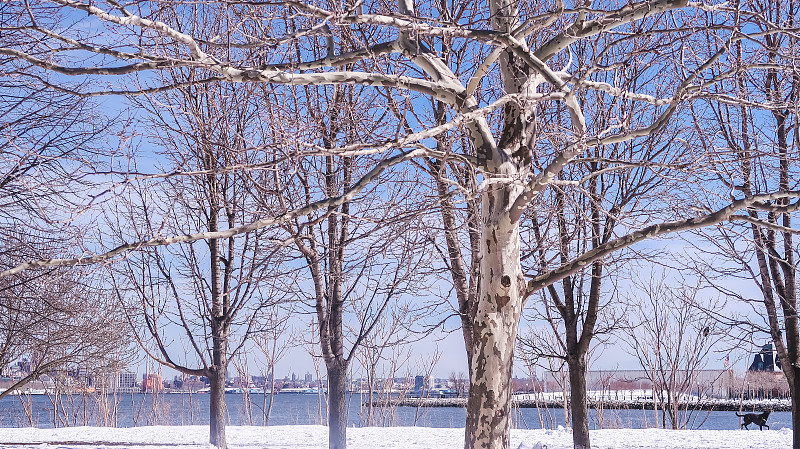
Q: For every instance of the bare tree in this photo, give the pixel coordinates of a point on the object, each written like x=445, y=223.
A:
x=672, y=332
x=757, y=149
x=58, y=321
x=532, y=63
x=459, y=383
x=541, y=348
x=216, y=293
x=584, y=212
x=425, y=365
x=359, y=255
x=48, y=150
x=357, y=261
x=382, y=355
x=273, y=345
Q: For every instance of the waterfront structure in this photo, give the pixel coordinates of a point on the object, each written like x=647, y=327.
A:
x=719, y=383
x=766, y=360
x=126, y=380
x=152, y=382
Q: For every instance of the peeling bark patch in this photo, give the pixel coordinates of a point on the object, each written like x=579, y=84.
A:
x=505, y=281
x=497, y=352
x=488, y=246
x=502, y=301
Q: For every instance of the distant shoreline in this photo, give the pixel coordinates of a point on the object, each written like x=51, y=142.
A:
x=778, y=405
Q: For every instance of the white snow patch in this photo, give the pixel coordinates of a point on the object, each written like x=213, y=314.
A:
x=535, y=446
x=316, y=437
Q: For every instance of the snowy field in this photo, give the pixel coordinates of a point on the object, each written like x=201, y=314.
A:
x=315, y=437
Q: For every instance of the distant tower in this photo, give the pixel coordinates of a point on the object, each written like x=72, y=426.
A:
x=419, y=384
x=766, y=359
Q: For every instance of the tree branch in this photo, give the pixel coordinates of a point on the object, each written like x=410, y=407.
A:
x=724, y=214
x=259, y=224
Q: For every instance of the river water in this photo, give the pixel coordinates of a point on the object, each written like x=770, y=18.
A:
x=130, y=410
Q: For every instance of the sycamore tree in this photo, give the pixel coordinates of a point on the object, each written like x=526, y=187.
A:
x=521, y=104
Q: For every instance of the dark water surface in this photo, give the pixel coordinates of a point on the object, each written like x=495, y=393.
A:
x=129, y=410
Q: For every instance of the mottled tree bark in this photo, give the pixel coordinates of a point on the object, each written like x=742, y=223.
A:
x=218, y=370
x=494, y=328
x=502, y=288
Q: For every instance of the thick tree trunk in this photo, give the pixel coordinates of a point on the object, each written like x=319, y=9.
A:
x=495, y=324
x=337, y=407
x=217, y=407
x=578, y=402
x=501, y=287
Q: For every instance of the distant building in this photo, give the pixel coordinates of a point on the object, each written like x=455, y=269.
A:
x=309, y=377
x=116, y=382
x=126, y=380
x=152, y=383
x=419, y=384
x=194, y=383
x=766, y=360
x=24, y=366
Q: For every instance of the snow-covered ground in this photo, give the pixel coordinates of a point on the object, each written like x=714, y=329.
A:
x=315, y=437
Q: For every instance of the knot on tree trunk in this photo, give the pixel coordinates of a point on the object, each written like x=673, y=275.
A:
x=505, y=281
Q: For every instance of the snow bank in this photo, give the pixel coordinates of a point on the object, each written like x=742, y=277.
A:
x=316, y=437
